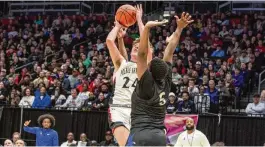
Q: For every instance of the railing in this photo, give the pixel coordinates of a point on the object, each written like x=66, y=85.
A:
x=261, y=80
x=25, y=65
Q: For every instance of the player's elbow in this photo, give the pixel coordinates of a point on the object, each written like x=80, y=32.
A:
x=109, y=42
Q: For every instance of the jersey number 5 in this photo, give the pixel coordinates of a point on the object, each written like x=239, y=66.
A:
x=127, y=79
x=162, y=100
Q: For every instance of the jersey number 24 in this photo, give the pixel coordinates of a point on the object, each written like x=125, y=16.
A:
x=127, y=80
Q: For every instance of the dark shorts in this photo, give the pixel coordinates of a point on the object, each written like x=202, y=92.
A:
x=147, y=137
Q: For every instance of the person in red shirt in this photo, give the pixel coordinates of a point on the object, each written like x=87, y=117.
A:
x=261, y=47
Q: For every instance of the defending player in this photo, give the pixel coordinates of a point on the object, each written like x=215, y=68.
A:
x=125, y=81
x=154, y=82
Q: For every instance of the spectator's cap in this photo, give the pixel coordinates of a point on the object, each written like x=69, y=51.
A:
x=257, y=50
x=172, y=94
x=256, y=96
x=198, y=63
x=108, y=133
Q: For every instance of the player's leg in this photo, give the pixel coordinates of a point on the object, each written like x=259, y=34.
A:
x=120, y=123
x=121, y=134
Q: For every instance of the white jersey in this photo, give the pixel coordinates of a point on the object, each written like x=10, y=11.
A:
x=125, y=83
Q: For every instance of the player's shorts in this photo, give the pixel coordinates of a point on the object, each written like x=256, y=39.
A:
x=147, y=137
x=120, y=115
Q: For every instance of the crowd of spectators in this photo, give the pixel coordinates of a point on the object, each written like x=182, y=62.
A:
x=16, y=141
x=43, y=64
x=63, y=62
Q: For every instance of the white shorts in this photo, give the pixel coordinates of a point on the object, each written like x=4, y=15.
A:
x=120, y=116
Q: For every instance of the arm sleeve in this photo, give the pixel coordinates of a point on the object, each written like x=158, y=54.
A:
x=66, y=103
x=249, y=110
x=47, y=101
x=258, y=109
x=204, y=141
x=32, y=130
x=55, y=141
x=169, y=73
x=146, y=81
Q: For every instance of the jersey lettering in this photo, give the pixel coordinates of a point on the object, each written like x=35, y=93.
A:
x=162, y=100
x=127, y=79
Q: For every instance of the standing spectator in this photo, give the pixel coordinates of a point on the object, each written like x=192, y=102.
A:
x=73, y=101
x=109, y=141
x=172, y=103
x=84, y=141
x=3, y=94
x=214, y=97
x=186, y=106
x=28, y=99
x=70, y=140
x=45, y=136
x=42, y=99
x=256, y=108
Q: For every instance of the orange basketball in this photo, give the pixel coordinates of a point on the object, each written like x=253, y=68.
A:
x=126, y=15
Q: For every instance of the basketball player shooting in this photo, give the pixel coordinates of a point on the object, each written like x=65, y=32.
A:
x=125, y=79
x=154, y=82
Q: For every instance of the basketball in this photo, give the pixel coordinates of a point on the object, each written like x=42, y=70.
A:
x=126, y=15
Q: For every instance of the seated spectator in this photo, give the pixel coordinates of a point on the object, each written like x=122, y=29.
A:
x=256, y=108
x=175, y=75
x=101, y=103
x=186, y=105
x=8, y=143
x=16, y=136
x=218, y=52
x=244, y=58
x=20, y=143
x=172, y=103
x=58, y=98
x=73, y=78
x=109, y=140
x=88, y=104
x=65, y=83
x=84, y=94
x=84, y=141
x=42, y=99
x=14, y=98
x=41, y=79
x=192, y=89
x=28, y=99
x=73, y=102
x=70, y=140
x=202, y=101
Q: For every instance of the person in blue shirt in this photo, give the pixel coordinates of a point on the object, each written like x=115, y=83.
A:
x=218, y=52
x=45, y=136
x=42, y=99
x=213, y=93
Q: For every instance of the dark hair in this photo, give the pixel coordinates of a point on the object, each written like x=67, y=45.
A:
x=46, y=116
x=256, y=95
x=24, y=92
x=186, y=93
